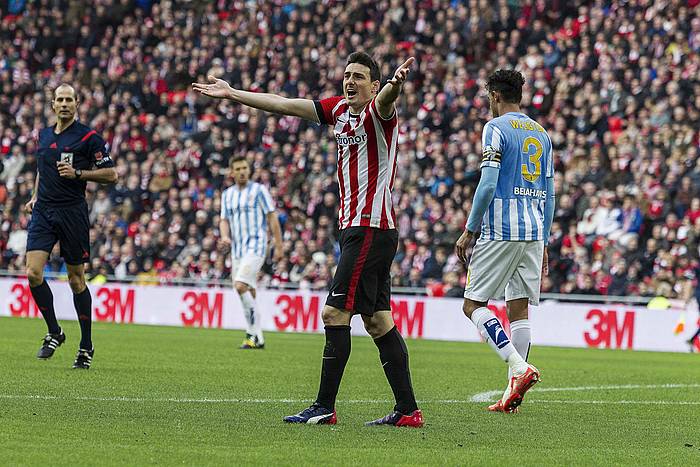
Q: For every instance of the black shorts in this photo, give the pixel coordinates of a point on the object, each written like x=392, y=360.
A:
x=68, y=225
x=362, y=281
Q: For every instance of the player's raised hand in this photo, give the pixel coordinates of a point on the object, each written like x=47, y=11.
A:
x=402, y=72
x=217, y=88
x=463, y=244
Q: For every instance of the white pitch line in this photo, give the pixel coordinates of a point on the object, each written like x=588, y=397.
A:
x=369, y=401
x=489, y=396
x=623, y=402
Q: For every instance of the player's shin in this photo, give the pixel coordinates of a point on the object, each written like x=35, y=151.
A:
x=335, y=356
x=248, y=302
x=83, y=307
x=44, y=300
x=492, y=331
x=520, y=336
x=393, y=355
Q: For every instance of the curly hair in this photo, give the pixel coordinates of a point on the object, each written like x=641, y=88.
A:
x=509, y=83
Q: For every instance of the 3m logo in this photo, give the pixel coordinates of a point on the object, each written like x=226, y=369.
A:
x=408, y=322
x=115, y=305
x=609, y=330
x=23, y=304
x=201, y=312
x=294, y=315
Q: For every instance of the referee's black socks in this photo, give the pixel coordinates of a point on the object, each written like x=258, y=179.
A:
x=44, y=300
x=393, y=355
x=83, y=306
x=335, y=356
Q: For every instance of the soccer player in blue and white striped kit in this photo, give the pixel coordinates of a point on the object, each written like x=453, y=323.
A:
x=246, y=211
x=514, y=204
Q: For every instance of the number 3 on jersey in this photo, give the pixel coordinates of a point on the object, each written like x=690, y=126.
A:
x=535, y=159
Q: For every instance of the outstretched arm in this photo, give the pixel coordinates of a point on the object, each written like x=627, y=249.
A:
x=391, y=90
x=220, y=89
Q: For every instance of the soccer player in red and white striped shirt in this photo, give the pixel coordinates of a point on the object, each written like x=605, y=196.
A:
x=365, y=124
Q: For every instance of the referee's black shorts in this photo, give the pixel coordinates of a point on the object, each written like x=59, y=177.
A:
x=362, y=281
x=69, y=225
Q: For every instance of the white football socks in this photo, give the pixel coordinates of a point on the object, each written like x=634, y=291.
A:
x=492, y=331
x=252, y=317
x=520, y=336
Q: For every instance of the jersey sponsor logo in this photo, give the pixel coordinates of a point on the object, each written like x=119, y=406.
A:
x=53, y=145
x=496, y=333
x=67, y=157
x=531, y=192
x=349, y=140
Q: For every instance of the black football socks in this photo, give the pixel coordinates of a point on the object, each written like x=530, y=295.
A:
x=335, y=356
x=44, y=300
x=393, y=355
x=83, y=306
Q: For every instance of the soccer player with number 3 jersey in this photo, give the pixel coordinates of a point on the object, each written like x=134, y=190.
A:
x=365, y=125
x=514, y=205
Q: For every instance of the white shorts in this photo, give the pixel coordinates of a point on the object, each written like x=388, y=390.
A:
x=246, y=269
x=497, y=265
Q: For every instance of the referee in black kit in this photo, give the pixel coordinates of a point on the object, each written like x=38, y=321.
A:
x=68, y=155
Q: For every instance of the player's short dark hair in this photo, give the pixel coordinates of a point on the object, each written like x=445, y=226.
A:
x=365, y=59
x=509, y=83
x=238, y=158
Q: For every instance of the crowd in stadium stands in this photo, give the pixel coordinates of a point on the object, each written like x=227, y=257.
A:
x=616, y=84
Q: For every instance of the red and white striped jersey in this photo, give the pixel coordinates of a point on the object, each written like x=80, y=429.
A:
x=366, y=162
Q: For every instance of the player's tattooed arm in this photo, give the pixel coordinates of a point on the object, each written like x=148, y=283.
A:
x=220, y=89
x=391, y=90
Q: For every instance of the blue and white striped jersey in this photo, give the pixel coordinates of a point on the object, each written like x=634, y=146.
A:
x=522, y=151
x=246, y=211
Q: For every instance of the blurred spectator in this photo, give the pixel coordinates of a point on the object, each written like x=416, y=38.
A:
x=615, y=83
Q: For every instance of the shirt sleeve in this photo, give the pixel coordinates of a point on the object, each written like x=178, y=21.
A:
x=266, y=200
x=324, y=109
x=485, y=191
x=223, y=205
x=98, y=151
x=549, y=173
x=394, y=115
x=492, y=146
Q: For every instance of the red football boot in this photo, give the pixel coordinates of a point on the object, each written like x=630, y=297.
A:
x=414, y=420
x=517, y=388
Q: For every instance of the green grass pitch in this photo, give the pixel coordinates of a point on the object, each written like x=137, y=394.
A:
x=162, y=395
